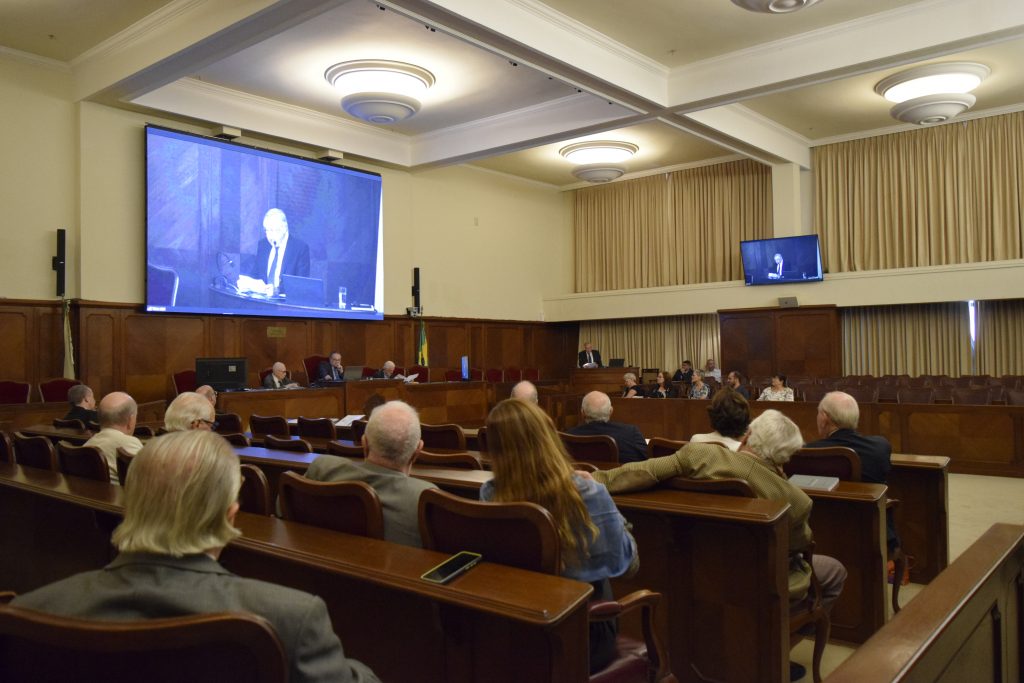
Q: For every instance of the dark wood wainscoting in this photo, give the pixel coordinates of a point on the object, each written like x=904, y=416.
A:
x=121, y=347
x=806, y=340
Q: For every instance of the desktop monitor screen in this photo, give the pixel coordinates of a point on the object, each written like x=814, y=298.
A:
x=781, y=260
x=223, y=374
x=235, y=230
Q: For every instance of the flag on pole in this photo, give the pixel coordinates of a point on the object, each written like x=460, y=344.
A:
x=421, y=348
x=69, y=349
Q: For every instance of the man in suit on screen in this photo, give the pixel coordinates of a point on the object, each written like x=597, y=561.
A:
x=279, y=253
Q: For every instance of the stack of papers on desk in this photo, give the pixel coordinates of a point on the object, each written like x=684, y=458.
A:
x=814, y=482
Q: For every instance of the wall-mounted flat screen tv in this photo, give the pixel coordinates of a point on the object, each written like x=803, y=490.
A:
x=235, y=230
x=782, y=260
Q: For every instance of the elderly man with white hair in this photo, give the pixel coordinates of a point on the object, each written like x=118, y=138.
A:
x=391, y=441
x=180, y=504
x=189, y=410
x=387, y=371
x=596, y=410
x=278, y=378
x=525, y=391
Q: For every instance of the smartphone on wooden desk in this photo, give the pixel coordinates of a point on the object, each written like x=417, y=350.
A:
x=452, y=567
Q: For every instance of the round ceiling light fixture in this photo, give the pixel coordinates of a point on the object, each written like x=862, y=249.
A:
x=597, y=160
x=774, y=6
x=598, y=173
x=932, y=93
x=378, y=90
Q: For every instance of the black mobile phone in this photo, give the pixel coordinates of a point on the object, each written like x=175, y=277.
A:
x=452, y=567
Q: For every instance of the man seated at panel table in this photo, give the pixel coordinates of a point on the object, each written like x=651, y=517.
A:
x=331, y=370
x=392, y=440
x=387, y=371
x=768, y=444
x=278, y=378
x=118, y=413
x=167, y=566
x=838, y=415
x=189, y=410
x=83, y=405
x=596, y=410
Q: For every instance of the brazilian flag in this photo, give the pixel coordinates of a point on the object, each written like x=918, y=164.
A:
x=421, y=348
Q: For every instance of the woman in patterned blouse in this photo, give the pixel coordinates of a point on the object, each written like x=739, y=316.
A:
x=778, y=391
x=698, y=389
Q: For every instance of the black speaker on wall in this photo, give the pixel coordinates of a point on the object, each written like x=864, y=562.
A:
x=59, y=260
x=416, y=287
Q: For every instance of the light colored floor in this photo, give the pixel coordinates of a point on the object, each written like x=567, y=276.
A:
x=975, y=504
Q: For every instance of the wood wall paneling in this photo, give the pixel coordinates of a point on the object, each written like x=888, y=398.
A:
x=14, y=345
x=153, y=344
x=794, y=341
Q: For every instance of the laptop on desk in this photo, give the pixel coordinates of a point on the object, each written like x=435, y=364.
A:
x=303, y=291
x=617, y=363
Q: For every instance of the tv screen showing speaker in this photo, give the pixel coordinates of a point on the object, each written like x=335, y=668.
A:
x=235, y=230
x=782, y=260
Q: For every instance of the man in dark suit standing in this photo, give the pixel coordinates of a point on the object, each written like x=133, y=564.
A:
x=279, y=253
x=589, y=355
x=167, y=566
x=596, y=410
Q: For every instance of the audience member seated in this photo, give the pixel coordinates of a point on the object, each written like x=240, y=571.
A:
x=83, y=404
x=189, y=410
x=777, y=391
x=330, y=370
x=278, y=378
x=530, y=464
x=117, y=416
x=711, y=370
x=730, y=416
x=662, y=387
x=596, y=410
x=525, y=391
x=387, y=371
x=589, y=357
x=209, y=393
x=737, y=382
x=168, y=566
x=684, y=373
x=392, y=440
x=698, y=389
x=632, y=389
x=768, y=444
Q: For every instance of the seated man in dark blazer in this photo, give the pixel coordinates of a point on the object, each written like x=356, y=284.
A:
x=278, y=378
x=596, y=410
x=330, y=370
x=279, y=252
x=168, y=566
x=589, y=355
x=83, y=404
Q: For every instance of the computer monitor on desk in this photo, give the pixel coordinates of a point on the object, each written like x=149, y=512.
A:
x=223, y=374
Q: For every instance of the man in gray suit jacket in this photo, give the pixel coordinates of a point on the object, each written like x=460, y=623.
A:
x=392, y=440
x=168, y=567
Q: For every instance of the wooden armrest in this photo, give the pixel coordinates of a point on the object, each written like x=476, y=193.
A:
x=647, y=601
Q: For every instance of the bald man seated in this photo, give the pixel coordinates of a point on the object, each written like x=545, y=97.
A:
x=189, y=410
x=596, y=410
x=391, y=441
x=525, y=391
x=278, y=378
x=117, y=415
x=209, y=393
x=167, y=564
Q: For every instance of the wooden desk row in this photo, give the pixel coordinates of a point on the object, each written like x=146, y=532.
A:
x=496, y=623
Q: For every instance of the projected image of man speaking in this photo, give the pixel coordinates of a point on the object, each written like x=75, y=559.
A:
x=278, y=254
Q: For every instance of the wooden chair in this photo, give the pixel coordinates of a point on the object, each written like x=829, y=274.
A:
x=34, y=451
x=465, y=461
x=344, y=450
x=915, y=394
x=254, y=496
x=56, y=390
x=123, y=461
x=888, y=393
x=6, y=448
x=481, y=439
x=68, y=424
x=358, y=428
x=317, y=428
x=812, y=393
x=261, y=425
x=421, y=371
x=263, y=374
x=237, y=439
x=476, y=374
x=658, y=447
x=312, y=365
x=494, y=375
x=228, y=423
x=811, y=612
x=82, y=461
x=202, y=648
x=523, y=535
x=971, y=397
x=531, y=374
x=184, y=381
x=369, y=372
x=452, y=376
x=351, y=507
x=448, y=436
x=513, y=374
x=726, y=487
x=275, y=443
x=597, y=448
x=863, y=393
x=15, y=392
x=831, y=461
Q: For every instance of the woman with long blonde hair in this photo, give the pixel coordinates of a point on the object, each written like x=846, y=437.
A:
x=531, y=464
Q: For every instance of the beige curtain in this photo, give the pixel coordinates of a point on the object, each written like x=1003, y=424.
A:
x=933, y=196
x=670, y=229
x=916, y=339
x=661, y=343
x=1000, y=337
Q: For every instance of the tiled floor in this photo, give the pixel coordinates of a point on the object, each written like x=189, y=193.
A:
x=975, y=504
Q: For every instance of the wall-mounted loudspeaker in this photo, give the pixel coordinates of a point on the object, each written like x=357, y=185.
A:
x=416, y=287
x=787, y=302
x=59, y=261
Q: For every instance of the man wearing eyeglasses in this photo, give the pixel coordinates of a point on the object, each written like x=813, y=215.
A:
x=189, y=411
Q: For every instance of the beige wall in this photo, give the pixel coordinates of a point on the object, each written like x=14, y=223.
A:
x=38, y=156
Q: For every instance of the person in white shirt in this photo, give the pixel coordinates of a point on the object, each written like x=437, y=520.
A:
x=711, y=370
x=117, y=412
x=777, y=391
